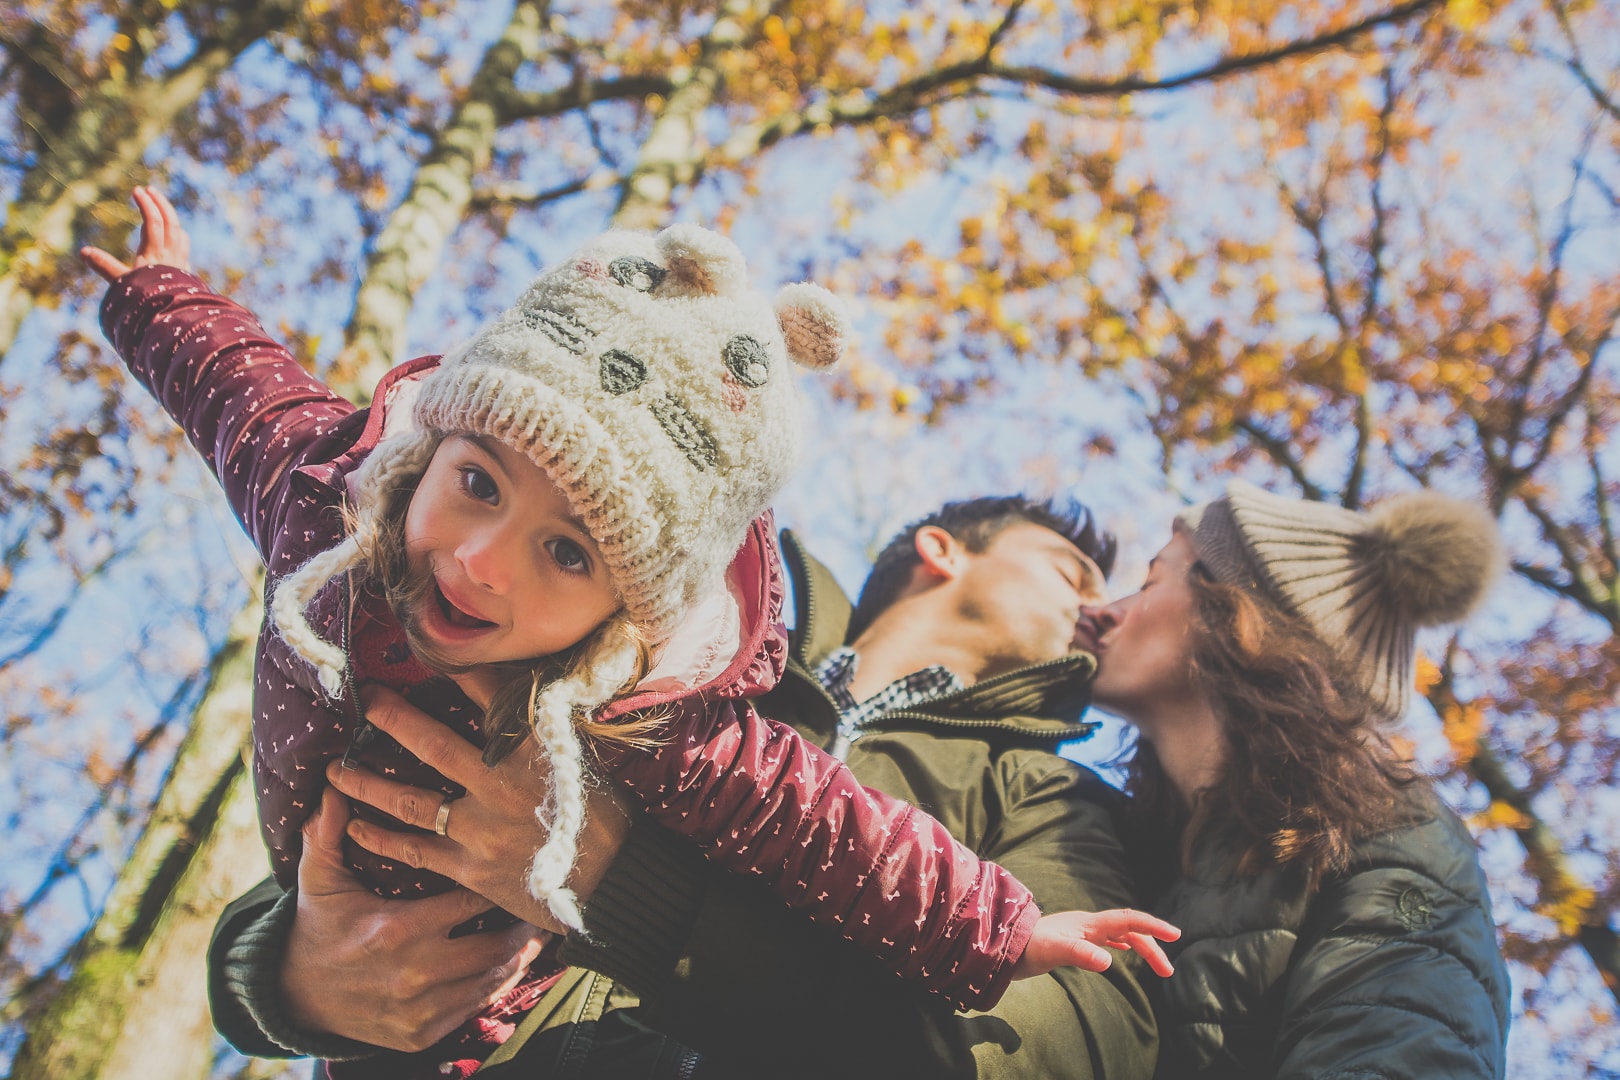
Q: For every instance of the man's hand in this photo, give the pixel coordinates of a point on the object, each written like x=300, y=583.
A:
x=163, y=239
x=383, y=971
x=1077, y=939
x=490, y=834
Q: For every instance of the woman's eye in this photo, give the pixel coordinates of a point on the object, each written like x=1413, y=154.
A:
x=478, y=484
x=569, y=555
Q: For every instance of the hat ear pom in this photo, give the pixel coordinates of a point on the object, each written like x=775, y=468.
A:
x=1432, y=557
x=815, y=324
x=702, y=262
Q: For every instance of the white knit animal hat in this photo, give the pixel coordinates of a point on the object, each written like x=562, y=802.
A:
x=1364, y=582
x=652, y=385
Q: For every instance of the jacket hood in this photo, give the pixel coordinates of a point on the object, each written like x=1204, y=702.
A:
x=733, y=646
x=1041, y=702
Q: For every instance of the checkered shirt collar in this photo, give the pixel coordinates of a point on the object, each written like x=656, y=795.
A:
x=838, y=669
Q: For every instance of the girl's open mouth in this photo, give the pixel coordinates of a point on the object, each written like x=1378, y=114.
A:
x=454, y=615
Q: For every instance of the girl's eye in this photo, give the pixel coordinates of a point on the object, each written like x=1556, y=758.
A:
x=569, y=555
x=479, y=484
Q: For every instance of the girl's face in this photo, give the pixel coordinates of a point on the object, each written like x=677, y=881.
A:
x=1144, y=647
x=515, y=576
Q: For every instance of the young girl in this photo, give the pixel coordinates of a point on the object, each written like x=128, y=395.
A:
x=568, y=517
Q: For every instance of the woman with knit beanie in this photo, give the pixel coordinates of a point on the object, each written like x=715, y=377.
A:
x=560, y=530
x=1336, y=921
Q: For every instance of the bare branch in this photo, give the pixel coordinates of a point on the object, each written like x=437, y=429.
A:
x=1281, y=454
x=488, y=197
x=513, y=105
x=1546, y=300
x=1584, y=586
x=1577, y=66
x=1545, y=859
x=966, y=79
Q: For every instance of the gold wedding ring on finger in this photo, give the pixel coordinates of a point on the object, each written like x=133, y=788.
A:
x=441, y=823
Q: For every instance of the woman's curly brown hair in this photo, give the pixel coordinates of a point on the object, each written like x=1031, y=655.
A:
x=1307, y=771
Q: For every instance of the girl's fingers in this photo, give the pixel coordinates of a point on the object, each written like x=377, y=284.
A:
x=432, y=742
x=1090, y=957
x=154, y=231
x=1150, y=950
x=412, y=805
x=176, y=239
x=1121, y=922
x=105, y=264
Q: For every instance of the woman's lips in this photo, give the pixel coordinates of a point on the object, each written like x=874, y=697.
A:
x=1085, y=636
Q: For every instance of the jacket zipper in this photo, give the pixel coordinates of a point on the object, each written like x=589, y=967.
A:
x=364, y=732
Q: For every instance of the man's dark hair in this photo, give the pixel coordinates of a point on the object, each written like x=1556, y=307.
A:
x=975, y=523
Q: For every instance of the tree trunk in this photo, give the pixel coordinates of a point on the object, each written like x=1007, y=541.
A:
x=674, y=150
x=135, y=1006
x=410, y=244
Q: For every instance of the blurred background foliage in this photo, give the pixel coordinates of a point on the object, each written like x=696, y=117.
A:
x=1119, y=249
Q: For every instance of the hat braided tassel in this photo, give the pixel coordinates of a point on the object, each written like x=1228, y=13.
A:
x=612, y=664
x=294, y=594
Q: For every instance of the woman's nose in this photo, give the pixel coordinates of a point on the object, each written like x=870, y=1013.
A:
x=1103, y=619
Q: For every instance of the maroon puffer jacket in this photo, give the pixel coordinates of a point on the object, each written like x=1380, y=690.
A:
x=757, y=797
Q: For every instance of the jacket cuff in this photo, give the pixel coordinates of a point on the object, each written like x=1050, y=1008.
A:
x=252, y=976
x=638, y=920
x=1018, y=932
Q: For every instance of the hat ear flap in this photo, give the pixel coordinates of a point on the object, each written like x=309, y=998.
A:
x=701, y=262
x=814, y=324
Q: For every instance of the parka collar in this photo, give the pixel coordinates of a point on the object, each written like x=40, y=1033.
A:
x=1040, y=701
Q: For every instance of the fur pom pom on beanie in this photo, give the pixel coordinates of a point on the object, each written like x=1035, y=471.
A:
x=654, y=388
x=1364, y=582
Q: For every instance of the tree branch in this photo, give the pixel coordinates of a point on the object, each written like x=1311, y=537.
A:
x=964, y=79
x=1280, y=453
x=1584, y=586
x=485, y=199
x=1544, y=855
x=1577, y=66
x=513, y=105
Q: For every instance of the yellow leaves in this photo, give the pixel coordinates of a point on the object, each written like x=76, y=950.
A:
x=1426, y=674
x=1463, y=724
x=1467, y=15
x=1567, y=903
x=1498, y=815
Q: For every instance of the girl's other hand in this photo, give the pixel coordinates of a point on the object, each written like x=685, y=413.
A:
x=163, y=239
x=1077, y=939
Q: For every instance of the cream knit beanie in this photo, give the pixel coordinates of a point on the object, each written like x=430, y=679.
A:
x=653, y=387
x=1364, y=582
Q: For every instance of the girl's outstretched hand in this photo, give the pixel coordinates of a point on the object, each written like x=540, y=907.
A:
x=1076, y=939
x=163, y=239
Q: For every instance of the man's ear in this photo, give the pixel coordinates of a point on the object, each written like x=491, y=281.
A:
x=940, y=552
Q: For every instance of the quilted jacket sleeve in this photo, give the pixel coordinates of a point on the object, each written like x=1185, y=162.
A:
x=760, y=800
x=1397, y=973
x=247, y=406
x=724, y=968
